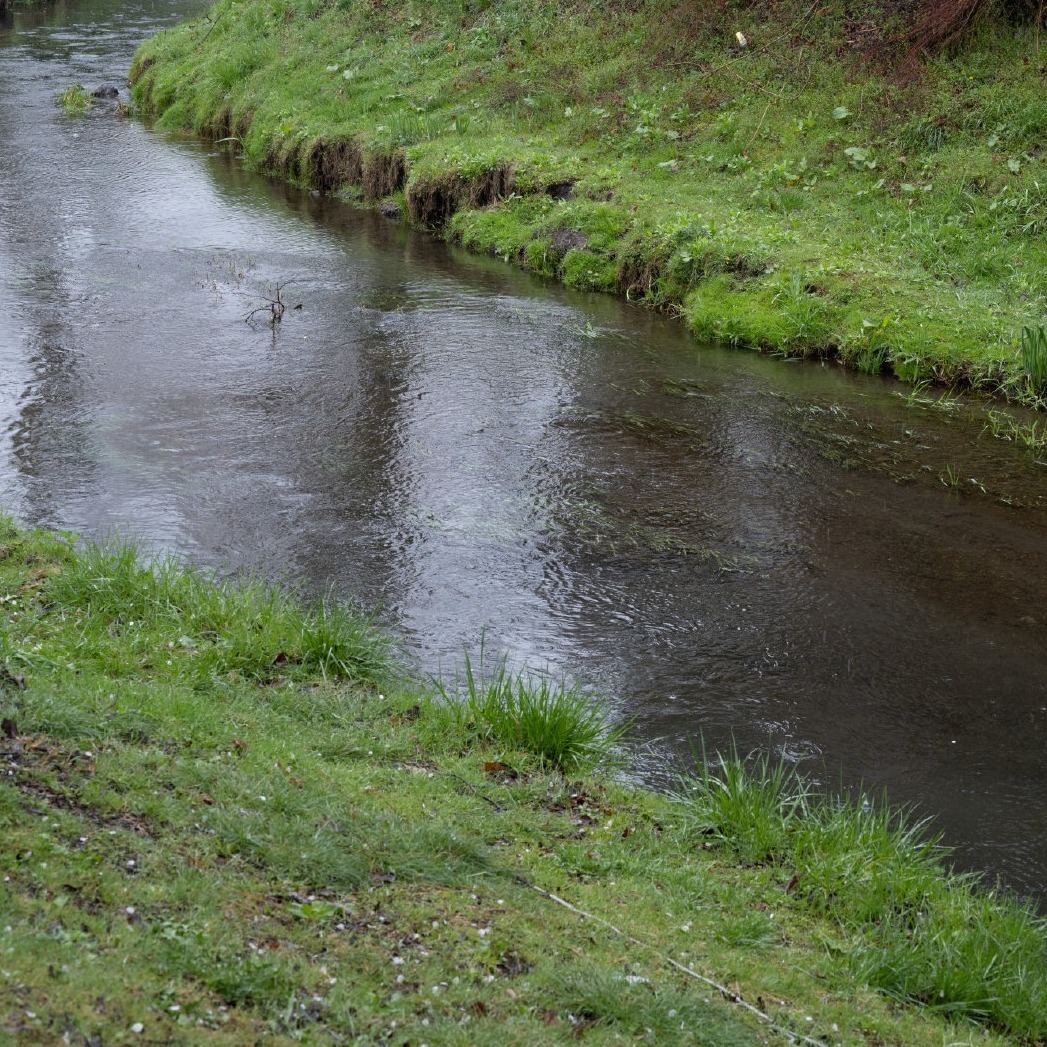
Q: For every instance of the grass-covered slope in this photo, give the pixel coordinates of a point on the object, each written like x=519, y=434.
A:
x=784, y=195
x=224, y=819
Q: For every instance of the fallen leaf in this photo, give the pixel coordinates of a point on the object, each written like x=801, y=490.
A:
x=497, y=767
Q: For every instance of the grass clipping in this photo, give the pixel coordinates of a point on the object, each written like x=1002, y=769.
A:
x=226, y=817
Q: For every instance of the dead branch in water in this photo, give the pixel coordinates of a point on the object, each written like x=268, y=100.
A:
x=273, y=303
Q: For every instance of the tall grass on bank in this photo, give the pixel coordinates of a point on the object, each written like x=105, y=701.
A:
x=559, y=723
x=130, y=606
x=1034, y=358
x=913, y=928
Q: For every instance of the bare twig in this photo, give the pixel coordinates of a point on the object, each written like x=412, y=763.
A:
x=723, y=990
x=209, y=31
x=274, y=304
x=759, y=126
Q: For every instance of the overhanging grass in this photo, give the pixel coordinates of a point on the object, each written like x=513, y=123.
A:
x=912, y=927
x=790, y=197
x=124, y=604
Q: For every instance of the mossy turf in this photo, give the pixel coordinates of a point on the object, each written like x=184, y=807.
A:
x=790, y=196
x=225, y=818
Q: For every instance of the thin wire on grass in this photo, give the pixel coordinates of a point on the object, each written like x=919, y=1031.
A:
x=723, y=990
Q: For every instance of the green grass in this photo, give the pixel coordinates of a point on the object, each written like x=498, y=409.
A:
x=227, y=816
x=1034, y=358
x=793, y=197
x=906, y=923
x=127, y=607
x=563, y=726
x=74, y=99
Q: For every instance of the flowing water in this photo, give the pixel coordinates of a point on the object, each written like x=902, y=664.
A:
x=730, y=546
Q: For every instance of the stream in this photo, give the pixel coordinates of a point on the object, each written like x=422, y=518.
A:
x=824, y=565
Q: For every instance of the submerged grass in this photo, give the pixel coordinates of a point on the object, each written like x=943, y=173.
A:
x=74, y=99
x=228, y=817
x=792, y=196
x=909, y=925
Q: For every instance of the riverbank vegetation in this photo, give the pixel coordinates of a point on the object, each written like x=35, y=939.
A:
x=829, y=189
x=228, y=816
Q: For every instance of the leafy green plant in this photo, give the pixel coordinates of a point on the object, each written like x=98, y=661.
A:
x=861, y=159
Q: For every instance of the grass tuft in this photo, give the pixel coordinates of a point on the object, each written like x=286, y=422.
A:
x=559, y=723
x=209, y=627
x=1034, y=358
x=914, y=928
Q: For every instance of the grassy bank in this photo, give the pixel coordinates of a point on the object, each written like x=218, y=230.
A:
x=226, y=818
x=791, y=195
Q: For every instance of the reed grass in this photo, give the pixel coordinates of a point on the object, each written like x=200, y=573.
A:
x=1034, y=358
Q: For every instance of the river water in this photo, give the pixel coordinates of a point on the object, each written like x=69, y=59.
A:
x=728, y=546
